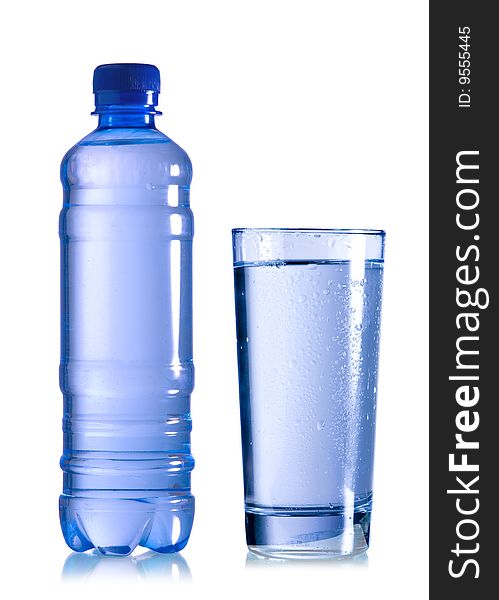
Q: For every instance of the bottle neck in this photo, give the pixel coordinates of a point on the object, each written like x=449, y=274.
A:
x=130, y=109
x=128, y=119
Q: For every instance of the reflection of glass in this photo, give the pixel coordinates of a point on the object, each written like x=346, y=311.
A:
x=345, y=561
x=308, y=307
x=147, y=566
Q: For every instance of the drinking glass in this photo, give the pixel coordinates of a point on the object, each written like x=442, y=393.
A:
x=308, y=307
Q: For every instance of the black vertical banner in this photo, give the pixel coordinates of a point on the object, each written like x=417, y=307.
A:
x=464, y=331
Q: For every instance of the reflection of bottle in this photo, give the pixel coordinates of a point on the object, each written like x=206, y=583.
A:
x=147, y=566
x=126, y=323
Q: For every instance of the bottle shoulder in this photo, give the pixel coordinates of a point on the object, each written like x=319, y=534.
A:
x=125, y=157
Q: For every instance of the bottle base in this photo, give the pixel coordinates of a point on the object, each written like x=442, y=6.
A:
x=303, y=533
x=116, y=526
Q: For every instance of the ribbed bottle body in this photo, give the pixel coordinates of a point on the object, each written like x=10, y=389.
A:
x=126, y=369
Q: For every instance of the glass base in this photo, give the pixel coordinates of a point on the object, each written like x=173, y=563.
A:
x=303, y=533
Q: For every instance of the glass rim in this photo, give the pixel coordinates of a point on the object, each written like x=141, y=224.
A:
x=298, y=230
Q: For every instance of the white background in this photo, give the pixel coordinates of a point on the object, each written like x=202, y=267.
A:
x=295, y=113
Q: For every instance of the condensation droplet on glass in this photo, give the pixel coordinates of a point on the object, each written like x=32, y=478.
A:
x=321, y=425
x=312, y=266
x=358, y=327
x=302, y=299
x=326, y=291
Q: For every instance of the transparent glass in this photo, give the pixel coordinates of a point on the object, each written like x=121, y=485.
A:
x=308, y=307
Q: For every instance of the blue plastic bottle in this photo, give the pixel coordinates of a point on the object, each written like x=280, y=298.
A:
x=126, y=325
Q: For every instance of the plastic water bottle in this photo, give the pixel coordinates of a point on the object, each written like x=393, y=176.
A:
x=126, y=325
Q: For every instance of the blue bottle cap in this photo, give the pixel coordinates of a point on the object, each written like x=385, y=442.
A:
x=126, y=77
